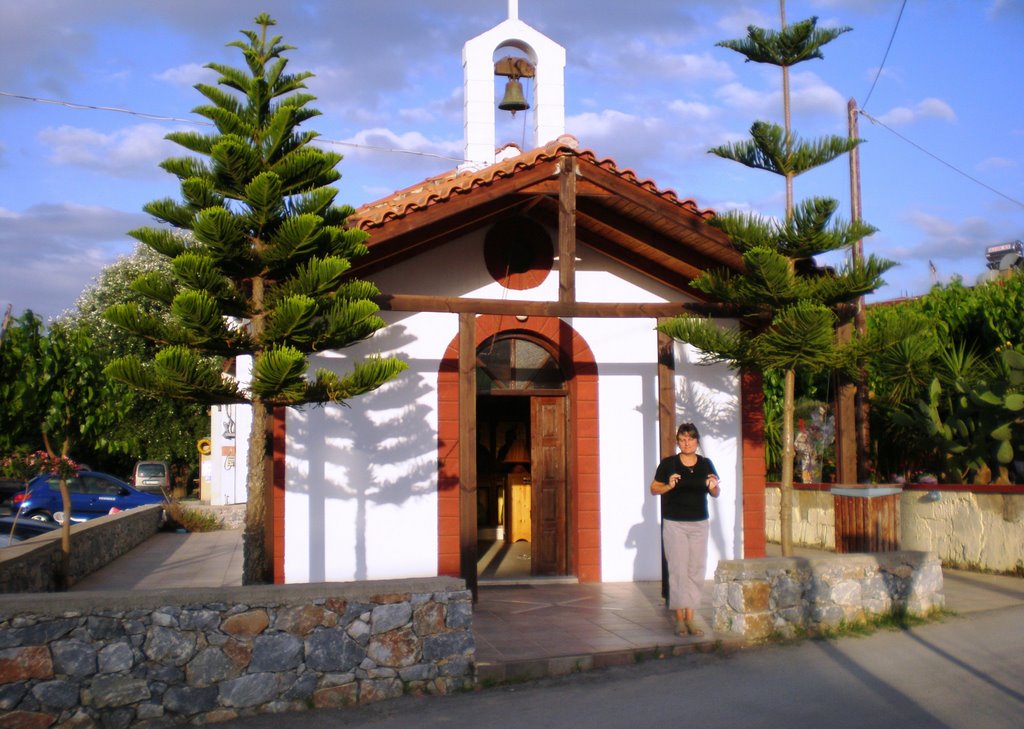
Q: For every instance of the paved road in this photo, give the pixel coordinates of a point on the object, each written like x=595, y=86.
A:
x=963, y=672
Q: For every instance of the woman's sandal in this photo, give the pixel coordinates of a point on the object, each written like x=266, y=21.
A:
x=692, y=629
x=681, y=628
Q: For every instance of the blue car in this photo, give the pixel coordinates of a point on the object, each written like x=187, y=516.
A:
x=14, y=530
x=93, y=494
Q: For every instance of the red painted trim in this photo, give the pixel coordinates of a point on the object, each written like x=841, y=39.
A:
x=752, y=455
x=584, y=512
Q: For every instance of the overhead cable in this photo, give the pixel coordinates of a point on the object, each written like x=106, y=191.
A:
x=888, y=48
x=196, y=122
x=956, y=169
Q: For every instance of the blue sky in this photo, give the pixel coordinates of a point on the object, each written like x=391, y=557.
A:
x=645, y=86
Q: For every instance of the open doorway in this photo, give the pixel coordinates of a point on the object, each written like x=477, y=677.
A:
x=522, y=455
x=504, y=503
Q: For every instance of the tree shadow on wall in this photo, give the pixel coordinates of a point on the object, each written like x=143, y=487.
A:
x=380, y=449
x=700, y=401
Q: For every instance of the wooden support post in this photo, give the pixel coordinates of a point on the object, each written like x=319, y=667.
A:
x=666, y=394
x=467, y=451
x=567, y=230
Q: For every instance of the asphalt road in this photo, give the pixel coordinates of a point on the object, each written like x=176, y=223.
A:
x=965, y=671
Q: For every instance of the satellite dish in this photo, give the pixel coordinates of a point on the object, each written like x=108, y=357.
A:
x=1010, y=260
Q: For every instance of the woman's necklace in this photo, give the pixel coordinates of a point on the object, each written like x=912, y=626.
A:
x=688, y=467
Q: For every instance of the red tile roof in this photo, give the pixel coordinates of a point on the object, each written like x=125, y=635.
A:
x=448, y=185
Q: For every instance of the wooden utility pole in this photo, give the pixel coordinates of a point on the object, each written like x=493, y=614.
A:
x=860, y=319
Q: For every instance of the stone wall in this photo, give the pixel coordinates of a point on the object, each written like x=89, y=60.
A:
x=814, y=518
x=971, y=529
x=758, y=598
x=33, y=565
x=156, y=658
x=231, y=516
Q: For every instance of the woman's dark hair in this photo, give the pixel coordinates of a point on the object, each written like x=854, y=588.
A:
x=688, y=429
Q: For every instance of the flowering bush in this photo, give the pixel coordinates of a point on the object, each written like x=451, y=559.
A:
x=813, y=441
x=24, y=465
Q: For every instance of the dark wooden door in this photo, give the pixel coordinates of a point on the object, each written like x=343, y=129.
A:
x=548, y=456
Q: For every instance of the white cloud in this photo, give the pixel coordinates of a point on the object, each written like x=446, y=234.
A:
x=639, y=143
x=414, y=142
x=678, y=66
x=187, y=75
x=930, y=108
x=945, y=239
x=1003, y=8
x=996, y=163
x=129, y=152
x=811, y=95
x=744, y=98
x=692, y=109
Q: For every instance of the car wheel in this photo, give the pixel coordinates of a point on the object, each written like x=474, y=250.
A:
x=40, y=516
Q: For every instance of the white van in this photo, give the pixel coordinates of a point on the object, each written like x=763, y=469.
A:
x=153, y=477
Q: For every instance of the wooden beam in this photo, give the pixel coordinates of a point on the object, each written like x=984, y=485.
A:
x=454, y=199
x=508, y=307
x=467, y=451
x=567, y=230
x=385, y=244
x=634, y=234
x=671, y=272
x=620, y=187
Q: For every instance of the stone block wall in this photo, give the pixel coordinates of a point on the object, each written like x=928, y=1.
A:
x=966, y=529
x=155, y=658
x=758, y=598
x=32, y=565
x=970, y=529
x=814, y=517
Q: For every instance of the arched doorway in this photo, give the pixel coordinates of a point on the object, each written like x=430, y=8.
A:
x=522, y=458
x=583, y=510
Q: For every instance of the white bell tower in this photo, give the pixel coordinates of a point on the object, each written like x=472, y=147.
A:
x=547, y=59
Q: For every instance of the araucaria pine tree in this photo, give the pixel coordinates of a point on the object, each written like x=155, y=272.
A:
x=259, y=254
x=787, y=305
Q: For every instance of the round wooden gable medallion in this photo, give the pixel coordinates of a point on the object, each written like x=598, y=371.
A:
x=518, y=253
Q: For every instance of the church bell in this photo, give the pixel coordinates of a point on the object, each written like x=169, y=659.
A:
x=513, y=100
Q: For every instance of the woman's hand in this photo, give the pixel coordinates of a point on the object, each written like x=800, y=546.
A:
x=712, y=484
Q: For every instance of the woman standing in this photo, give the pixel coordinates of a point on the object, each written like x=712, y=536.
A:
x=683, y=481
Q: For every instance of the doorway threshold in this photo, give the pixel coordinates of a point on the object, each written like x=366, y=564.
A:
x=524, y=581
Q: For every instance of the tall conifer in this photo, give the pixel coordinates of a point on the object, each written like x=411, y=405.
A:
x=259, y=254
x=787, y=305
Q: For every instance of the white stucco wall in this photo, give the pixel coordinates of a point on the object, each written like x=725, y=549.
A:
x=230, y=426
x=361, y=481
x=350, y=517
x=626, y=351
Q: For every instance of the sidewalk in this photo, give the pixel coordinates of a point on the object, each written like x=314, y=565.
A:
x=521, y=631
x=172, y=559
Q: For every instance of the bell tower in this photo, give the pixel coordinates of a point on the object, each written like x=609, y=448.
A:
x=538, y=55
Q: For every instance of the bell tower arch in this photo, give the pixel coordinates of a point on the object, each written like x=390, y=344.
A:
x=548, y=103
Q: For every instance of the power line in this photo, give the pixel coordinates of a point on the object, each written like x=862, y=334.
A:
x=886, y=55
x=956, y=169
x=195, y=122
